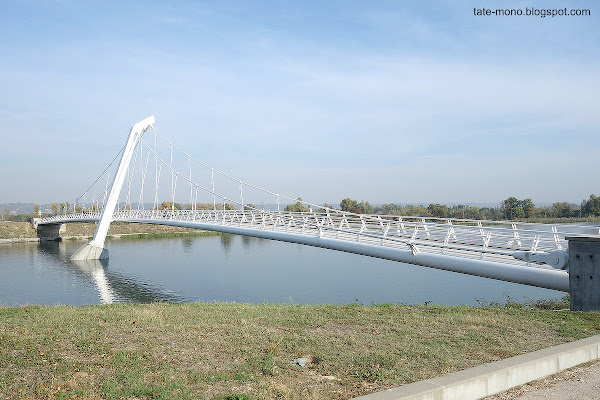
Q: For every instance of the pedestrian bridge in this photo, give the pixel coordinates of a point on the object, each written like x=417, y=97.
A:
x=531, y=254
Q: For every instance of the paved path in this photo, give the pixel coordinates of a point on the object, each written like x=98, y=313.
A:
x=567, y=371
x=579, y=383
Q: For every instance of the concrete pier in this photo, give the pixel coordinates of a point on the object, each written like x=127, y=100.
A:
x=50, y=231
x=584, y=273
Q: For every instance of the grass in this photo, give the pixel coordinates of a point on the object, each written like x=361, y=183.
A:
x=11, y=230
x=245, y=352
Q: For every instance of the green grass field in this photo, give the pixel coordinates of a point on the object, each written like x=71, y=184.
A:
x=242, y=351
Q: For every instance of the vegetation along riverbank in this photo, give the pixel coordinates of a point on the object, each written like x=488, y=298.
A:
x=242, y=351
x=24, y=231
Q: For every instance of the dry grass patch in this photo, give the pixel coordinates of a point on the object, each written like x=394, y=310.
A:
x=13, y=230
x=119, y=228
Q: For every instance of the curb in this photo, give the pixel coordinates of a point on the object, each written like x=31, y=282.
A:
x=498, y=376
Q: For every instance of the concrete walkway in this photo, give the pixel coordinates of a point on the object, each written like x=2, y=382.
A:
x=499, y=376
x=578, y=383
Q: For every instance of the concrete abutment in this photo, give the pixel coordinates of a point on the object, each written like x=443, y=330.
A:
x=584, y=273
x=50, y=231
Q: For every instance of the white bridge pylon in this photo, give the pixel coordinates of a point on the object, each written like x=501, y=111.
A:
x=95, y=250
x=531, y=254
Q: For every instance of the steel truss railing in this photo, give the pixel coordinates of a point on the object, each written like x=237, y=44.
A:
x=483, y=240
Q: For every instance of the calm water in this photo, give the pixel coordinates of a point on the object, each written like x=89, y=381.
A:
x=232, y=269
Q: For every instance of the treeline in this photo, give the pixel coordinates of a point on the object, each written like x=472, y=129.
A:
x=432, y=210
x=56, y=208
x=509, y=209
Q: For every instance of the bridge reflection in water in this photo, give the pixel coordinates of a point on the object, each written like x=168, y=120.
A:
x=236, y=268
x=111, y=286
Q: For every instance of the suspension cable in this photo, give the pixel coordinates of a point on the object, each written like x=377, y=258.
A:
x=102, y=174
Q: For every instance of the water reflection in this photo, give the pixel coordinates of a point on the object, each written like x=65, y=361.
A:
x=248, y=242
x=96, y=269
x=187, y=244
x=232, y=268
x=226, y=241
x=112, y=286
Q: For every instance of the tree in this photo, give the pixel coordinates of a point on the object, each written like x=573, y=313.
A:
x=297, y=207
x=348, y=204
x=54, y=208
x=528, y=207
x=417, y=211
x=390, y=208
x=562, y=209
x=513, y=208
x=36, y=211
x=365, y=207
x=5, y=213
x=438, y=210
x=508, y=207
x=591, y=207
x=355, y=207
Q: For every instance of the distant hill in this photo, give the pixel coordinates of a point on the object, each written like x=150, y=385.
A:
x=18, y=208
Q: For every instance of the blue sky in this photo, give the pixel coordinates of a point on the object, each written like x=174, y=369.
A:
x=386, y=101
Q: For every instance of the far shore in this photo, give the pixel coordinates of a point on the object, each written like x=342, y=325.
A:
x=16, y=232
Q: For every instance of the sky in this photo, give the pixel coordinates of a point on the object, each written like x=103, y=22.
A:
x=383, y=101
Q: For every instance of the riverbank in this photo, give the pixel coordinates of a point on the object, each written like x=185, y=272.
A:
x=243, y=351
x=13, y=232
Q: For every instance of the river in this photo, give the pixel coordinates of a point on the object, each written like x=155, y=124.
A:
x=229, y=268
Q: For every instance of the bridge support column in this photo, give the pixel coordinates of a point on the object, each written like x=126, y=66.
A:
x=95, y=249
x=584, y=273
x=50, y=231
x=90, y=252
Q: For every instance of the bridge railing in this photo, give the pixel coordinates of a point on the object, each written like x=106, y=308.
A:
x=491, y=240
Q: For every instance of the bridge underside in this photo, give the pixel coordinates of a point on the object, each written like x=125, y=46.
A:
x=532, y=276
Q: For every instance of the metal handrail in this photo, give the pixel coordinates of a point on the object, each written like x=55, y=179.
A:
x=465, y=238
